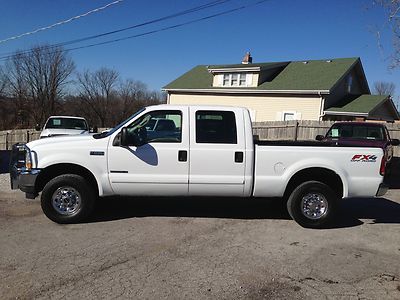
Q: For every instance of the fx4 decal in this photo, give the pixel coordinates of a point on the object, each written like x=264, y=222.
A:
x=364, y=158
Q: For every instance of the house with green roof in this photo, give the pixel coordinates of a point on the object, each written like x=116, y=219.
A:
x=331, y=89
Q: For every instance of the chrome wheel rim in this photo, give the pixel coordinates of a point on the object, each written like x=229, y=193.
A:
x=66, y=201
x=314, y=206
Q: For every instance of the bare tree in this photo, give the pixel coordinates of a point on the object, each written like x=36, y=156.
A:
x=392, y=9
x=4, y=105
x=39, y=76
x=3, y=82
x=131, y=93
x=97, y=90
x=384, y=88
x=18, y=91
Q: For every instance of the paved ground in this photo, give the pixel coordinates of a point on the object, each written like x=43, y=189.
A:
x=199, y=249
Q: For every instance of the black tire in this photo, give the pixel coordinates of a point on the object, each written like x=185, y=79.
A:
x=308, y=218
x=82, y=199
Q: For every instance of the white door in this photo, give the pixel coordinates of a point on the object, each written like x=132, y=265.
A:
x=217, y=149
x=158, y=167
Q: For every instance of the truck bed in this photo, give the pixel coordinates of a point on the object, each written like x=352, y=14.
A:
x=305, y=144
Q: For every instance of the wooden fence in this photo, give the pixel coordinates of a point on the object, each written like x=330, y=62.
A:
x=273, y=130
x=290, y=130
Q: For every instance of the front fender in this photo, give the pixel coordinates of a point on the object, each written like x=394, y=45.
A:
x=96, y=165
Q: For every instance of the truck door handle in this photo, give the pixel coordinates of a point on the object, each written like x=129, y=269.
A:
x=182, y=155
x=238, y=157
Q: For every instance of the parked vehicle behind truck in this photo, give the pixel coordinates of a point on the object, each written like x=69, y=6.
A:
x=363, y=134
x=210, y=153
x=63, y=125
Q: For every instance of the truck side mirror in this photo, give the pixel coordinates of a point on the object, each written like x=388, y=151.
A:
x=124, y=137
x=395, y=142
x=37, y=127
x=95, y=129
x=319, y=137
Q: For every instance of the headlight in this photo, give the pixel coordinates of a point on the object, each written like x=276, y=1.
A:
x=28, y=160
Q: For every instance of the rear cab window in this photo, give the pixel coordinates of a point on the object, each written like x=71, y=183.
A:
x=66, y=123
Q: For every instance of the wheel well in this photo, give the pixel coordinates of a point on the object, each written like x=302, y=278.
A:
x=329, y=177
x=53, y=171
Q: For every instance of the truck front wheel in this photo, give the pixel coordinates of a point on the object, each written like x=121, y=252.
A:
x=312, y=204
x=67, y=199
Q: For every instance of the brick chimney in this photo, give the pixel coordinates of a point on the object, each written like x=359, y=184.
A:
x=247, y=59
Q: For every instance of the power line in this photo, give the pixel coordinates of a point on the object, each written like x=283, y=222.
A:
x=178, y=14
x=61, y=22
x=174, y=15
x=154, y=31
x=168, y=27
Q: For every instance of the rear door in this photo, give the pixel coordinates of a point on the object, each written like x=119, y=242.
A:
x=217, y=149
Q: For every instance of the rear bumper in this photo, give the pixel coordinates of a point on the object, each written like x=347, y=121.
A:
x=383, y=188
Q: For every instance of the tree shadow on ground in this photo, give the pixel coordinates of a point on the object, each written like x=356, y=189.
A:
x=376, y=210
x=350, y=213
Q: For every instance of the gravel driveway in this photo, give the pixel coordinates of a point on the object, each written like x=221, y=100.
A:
x=150, y=248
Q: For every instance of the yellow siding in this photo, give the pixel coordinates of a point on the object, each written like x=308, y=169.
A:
x=262, y=108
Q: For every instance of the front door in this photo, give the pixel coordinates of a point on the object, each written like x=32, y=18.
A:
x=159, y=166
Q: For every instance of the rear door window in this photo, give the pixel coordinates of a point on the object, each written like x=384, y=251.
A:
x=216, y=127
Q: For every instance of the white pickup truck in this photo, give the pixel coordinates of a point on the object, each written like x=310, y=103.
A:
x=209, y=151
x=63, y=125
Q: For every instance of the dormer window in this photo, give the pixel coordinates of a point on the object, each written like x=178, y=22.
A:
x=235, y=79
x=242, y=80
x=349, y=84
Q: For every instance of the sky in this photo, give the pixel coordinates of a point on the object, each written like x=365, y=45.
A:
x=274, y=30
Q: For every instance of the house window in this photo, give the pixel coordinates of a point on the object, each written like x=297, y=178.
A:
x=235, y=79
x=227, y=79
x=242, y=80
x=288, y=116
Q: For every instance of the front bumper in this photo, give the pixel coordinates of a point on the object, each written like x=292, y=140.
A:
x=20, y=177
x=25, y=181
x=382, y=190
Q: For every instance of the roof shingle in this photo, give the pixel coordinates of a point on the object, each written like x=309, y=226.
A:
x=360, y=104
x=315, y=75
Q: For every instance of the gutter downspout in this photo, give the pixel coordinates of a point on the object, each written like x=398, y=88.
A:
x=321, y=109
x=168, y=98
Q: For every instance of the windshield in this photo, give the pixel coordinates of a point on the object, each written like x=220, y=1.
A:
x=111, y=131
x=356, y=132
x=66, y=123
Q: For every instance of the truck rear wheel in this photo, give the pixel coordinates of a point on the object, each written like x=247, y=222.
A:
x=67, y=199
x=312, y=204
